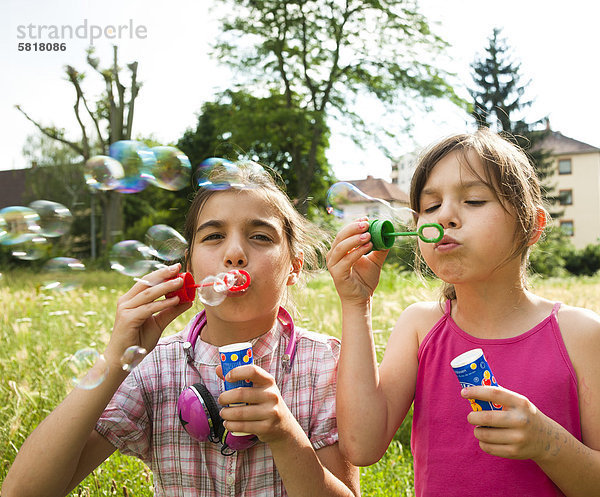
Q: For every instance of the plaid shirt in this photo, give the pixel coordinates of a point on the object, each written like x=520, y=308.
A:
x=141, y=419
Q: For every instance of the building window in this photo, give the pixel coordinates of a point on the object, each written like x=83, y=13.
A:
x=565, y=197
x=564, y=166
x=567, y=227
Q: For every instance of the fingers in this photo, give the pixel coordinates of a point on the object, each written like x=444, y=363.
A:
x=352, y=240
x=154, y=279
x=496, y=395
x=150, y=294
x=257, y=375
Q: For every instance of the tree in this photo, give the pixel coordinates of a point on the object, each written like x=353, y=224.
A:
x=318, y=55
x=111, y=120
x=499, y=102
x=238, y=125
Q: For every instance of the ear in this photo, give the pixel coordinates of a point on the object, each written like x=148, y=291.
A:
x=541, y=219
x=295, y=269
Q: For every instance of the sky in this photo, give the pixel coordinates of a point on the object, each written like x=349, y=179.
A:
x=556, y=43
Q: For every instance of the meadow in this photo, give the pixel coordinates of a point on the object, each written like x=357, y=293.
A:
x=40, y=330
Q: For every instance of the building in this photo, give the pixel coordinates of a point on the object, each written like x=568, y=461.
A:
x=12, y=187
x=577, y=183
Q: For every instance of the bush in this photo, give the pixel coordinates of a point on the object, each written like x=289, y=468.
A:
x=548, y=256
x=584, y=262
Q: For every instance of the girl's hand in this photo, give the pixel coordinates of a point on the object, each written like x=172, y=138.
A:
x=519, y=431
x=266, y=415
x=354, y=270
x=141, y=318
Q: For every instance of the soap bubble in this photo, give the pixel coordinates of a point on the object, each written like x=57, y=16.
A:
x=347, y=202
x=18, y=225
x=387, y=221
x=165, y=242
x=3, y=228
x=87, y=368
x=215, y=173
x=137, y=161
x=172, y=170
x=102, y=172
x=62, y=273
x=132, y=357
x=211, y=290
x=32, y=250
x=55, y=219
x=132, y=258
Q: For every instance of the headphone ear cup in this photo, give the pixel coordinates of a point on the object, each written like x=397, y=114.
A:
x=216, y=423
x=199, y=414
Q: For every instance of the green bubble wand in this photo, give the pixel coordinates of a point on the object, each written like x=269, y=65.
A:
x=383, y=233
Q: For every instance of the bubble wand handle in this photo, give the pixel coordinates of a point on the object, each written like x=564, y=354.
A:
x=419, y=233
x=383, y=234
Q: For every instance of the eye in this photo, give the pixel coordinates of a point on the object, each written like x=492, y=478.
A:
x=431, y=209
x=211, y=237
x=475, y=202
x=261, y=237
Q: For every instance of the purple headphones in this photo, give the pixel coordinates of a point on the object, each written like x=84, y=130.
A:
x=198, y=410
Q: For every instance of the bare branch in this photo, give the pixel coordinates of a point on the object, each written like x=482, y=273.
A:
x=73, y=77
x=51, y=133
x=134, y=91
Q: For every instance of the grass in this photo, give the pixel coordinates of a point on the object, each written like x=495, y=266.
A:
x=39, y=330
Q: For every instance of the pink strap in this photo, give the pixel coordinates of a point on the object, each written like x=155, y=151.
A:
x=448, y=307
x=555, y=308
x=283, y=316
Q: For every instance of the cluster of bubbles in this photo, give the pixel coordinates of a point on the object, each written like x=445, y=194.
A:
x=134, y=258
x=87, y=368
x=131, y=166
x=28, y=232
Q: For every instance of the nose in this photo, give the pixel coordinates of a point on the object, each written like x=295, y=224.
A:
x=448, y=215
x=235, y=254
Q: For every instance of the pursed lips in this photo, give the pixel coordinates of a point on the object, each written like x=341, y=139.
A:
x=446, y=243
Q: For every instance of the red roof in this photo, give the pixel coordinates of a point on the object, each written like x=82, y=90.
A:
x=558, y=144
x=379, y=188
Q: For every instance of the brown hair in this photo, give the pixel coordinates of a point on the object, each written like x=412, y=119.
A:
x=508, y=173
x=301, y=234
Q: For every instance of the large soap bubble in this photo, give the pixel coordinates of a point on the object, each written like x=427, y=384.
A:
x=102, y=172
x=387, y=222
x=87, y=368
x=172, y=170
x=31, y=250
x=132, y=258
x=137, y=161
x=55, y=219
x=205, y=177
x=165, y=242
x=18, y=224
x=62, y=274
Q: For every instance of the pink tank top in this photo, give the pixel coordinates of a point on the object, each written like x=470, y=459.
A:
x=447, y=458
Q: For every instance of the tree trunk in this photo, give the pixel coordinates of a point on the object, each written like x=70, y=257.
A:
x=112, y=219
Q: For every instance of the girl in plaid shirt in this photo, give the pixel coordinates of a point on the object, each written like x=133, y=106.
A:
x=252, y=226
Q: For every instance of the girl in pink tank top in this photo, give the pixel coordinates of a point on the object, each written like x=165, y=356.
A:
x=545, y=439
